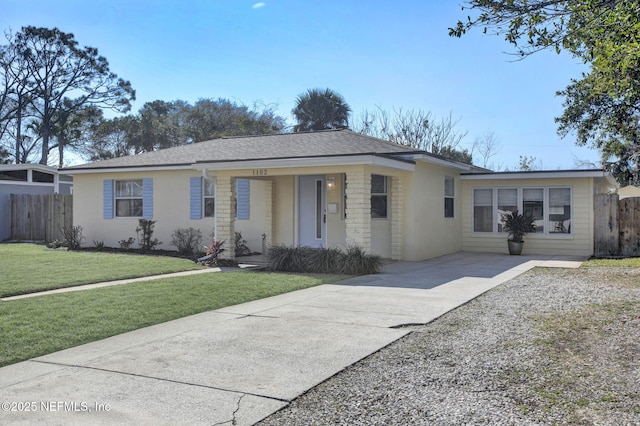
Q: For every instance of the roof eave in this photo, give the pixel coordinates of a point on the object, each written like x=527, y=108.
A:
x=422, y=156
x=27, y=166
x=382, y=160
x=121, y=169
x=544, y=174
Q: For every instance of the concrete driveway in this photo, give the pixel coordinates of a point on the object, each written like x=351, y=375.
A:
x=241, y=363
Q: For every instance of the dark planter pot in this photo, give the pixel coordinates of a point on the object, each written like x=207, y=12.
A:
x=515, y=247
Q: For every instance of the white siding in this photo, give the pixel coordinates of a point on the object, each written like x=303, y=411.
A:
x=579, y=242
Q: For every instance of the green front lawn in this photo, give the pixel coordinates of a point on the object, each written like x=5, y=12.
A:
x=27, y=268
x=40, y=325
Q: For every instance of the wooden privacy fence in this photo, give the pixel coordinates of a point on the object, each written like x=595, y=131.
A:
x=40, y=217
x=617, y=226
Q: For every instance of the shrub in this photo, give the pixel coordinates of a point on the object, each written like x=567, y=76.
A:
x=353, y=261
x=72, y=237
x=358, y=262
x=146, y=227
x=211, y=256
x=99, y=245
x=126, y=244
x=517, y=225
x=187, y=240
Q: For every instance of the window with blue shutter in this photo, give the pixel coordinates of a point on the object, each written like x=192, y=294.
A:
x=107, y=199
x=195, y=198
x=243, y=196
x=127, y=198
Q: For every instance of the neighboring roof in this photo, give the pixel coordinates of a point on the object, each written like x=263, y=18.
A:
x=326, y=143
x=629, y=191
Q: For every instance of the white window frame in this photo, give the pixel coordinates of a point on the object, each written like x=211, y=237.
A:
x=450, y=197
x=206, y=197
x=384, y=194
x=493, y=210
x=546, y=222
x=117, y=198
x=498, y=213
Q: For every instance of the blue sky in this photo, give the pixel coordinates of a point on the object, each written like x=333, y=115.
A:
x=377, y=53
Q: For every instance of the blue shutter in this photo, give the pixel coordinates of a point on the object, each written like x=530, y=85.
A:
x=147, y=198
x=107, y=199
x=195, y=200
x=243, y=196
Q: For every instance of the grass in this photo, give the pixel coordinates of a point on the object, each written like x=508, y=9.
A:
x=27, y=268
x=588, y=356
x=630, y=262
x=585, y=345
x=40, y=325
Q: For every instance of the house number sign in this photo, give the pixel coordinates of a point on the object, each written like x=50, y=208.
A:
x=259, y=172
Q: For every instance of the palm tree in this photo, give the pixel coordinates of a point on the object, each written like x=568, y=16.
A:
x=318, y=109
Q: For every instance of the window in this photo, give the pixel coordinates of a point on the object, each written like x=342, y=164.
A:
x=507, y=203
x=344, y=195
x=448, y=196
x=378, y=196
x=533, y=205
x=549, y=207
x=128, y=198
x=560, y=210
x=483, y=210
x=209, y=197
x=37, y=176
x=319, y=208
x=17, y=175
x=203, y=198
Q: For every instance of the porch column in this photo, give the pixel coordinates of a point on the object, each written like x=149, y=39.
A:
x=397, y=217
x=225, y=215
x=268, y=214
x=358, y=221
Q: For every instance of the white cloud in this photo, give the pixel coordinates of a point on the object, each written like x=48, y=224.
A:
x=259, y=5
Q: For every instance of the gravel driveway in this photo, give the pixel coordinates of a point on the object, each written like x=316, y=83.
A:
x=552, y=346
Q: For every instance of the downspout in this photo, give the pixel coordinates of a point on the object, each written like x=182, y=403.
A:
x=56, y=183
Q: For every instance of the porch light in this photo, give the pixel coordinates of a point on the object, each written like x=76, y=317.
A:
x=331, y=183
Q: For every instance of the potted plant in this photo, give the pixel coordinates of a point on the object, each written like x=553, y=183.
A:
x=517, y=225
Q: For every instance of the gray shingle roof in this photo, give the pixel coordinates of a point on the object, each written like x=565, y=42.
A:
x=290, y=145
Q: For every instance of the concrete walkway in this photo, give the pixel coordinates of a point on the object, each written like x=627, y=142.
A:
x=239, y=364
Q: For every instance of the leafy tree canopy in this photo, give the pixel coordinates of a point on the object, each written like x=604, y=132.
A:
x=320, y=109
x=603, y=107
x=5, y=156
x=161, y=124
x=47, y=80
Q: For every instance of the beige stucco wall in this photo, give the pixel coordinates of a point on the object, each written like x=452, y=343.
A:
x=579, y=242
x=253, y=228
x=170, y=211
x=284, y=210
x=427, y=233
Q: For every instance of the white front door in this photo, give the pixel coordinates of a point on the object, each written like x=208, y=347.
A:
x=312, y=216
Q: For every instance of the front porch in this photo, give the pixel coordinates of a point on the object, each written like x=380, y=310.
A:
x=328, y=207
